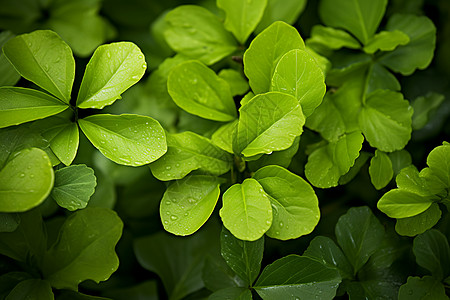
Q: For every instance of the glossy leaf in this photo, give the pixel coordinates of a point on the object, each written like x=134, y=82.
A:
x=45, y=59
x=188, y=151
x=197, y=33
x=243, y=257
x=425, y=288
x=281, y=10
x=25, y=181
x=380, y=170
x=298, y=74
x=433, y=253
x=420, y=223
x=385, y=120
x=294, y=204
x=8, y=74
x=126, y=139
x=386, y=41
x=198, y=90
x=328, y=163
x=410, y=180
x=246, y=210
x=242, y=17
x=418, y=53
x=223, y=137
x=265, y=51
x=187, y=204
x=20, y=105
x=84, y=249
x=299, y=277
x=74, y=186
x=439, y=163
x=331, y=38
x=112, y=69
x=424, y=107
x=238, y=84
x=31, y=289
x=400, y=203
x=361, y=18
x=269, y=122
x=359, y=233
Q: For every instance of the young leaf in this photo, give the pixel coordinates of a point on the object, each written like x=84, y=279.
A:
x=424, y=107
x=380, y=170
x=298, y=74
x=74, y=186
x=439, y=164
x=425, y=288
x=223, y=137
x=410, y=180
x=187, y=152
x=188, y=203
x=243, y=257
x=246, y=210
x=20, y=105
x=242, y=17
x=45, y=59
x=433, y=253
x=331, y=38
x=197, y=33
x=420, y=223
x=281, y=10
x=297, y=277
x=265, y=51
x=359, y=233
x=238, y=84
x=25, y=181
x=8, y=75
x=400, y=203
x=386, y=41
x=127, y=139
x=295, y=205
x=31, y=289
x=418, y=53
x=385, y=120
x=361, y=18
x=198, y=90
x=328, y=163
x=112, y=69
x=84, y=249
x=268, y=122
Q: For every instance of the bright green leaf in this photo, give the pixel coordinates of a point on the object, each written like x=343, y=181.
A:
x=400, y=203
x=424, y=107
x=188, y=151
x=380, y=170
x=242, y=17
x=188, y=203
x=280, y=158
x=223, y=137
x=266, y=50
x=386, y=41
x=84, y=249
x=198, y=90
x=74, y=186
x=281, y=10
x=410, y=180
x=20, y=105
x=294, y=203
x=197, y=33
x=246, y=210
x=31, y=289
x=127, y=139
x=112, y=69
x=420, y=223
x=25, y=181
x=45, y=59
x=433, y=253
x=425, y=288
x=238, y=84
x=8, y=75
x=439, y=162
x=331, y=38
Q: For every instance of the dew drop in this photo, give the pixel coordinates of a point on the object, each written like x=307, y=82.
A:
x=168, y=202
x=281, y=224
x=173, y=217
x=144, y=66
x=108, y=54
x=186, y=214
x=31, y=175
x=191, y=200
x=168, y=167
x=135, y=77
x=167, y=213
x=22, y=175
x=166, y=222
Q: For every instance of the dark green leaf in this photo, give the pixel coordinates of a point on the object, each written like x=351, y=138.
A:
x=379, y=78
x=217, y=275
x=424, y=107
x=9, y=222
x=354, y=170
x=425, y=288
x=147, y=290
x=31, y=289
x=8, y=75
x=232, y=293
x=400, y=159
x=433, y=253
x=281, y=10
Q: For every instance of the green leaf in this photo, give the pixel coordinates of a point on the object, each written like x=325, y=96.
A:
x=266, y=50
x=424, y=107
x=217, y=275
x=31, y=289
x=268, y=122
x=112, y=69
x=188, y=151
x=126, y=139
x=379, y=78
x=433, y=253
x=238, y=84
x=328, y=163
x=235, y=293
x=281, y=10
x=331, y=38
x=410, y=180
x=359, y=233
x=298, y=74
x=188, y=203
x=25, y=181
x=354, y=170
x=223, y=137
x=74, y=186
x=84, y=249
x=9, y=280
x=45, y=59
x=281, y=158
x=359, y=17
x=294, y=204
x=198, y=90
x=72, y=295
x=400, y=159
x=197, y=33
x=326, y=251
x=385, y=120
x=418, y=53
x=9, y=75
x=386, y=41
x=246, y=210
x=147, y=290
x=380, y=170
x=242, y=17
x=298, y=277
x=439, y=162
x=400, y=203
x=420, y=223
x=243, y=257
x=425, y=288
x=9, y=222
x=20, y=105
